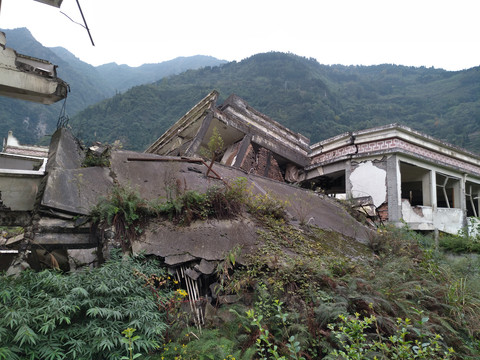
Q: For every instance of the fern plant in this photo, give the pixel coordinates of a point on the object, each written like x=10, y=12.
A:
x=123, y=209
x=48, y=315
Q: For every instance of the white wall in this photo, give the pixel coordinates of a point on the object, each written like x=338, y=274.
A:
x=369, y=180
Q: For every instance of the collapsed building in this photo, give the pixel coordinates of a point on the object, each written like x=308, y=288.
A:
x=393, y=172
x=29, y=78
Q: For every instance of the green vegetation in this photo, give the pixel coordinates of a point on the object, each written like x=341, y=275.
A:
x=301, y=295
x=463, y=242
x=352, y=335
x=48, y=315
x=125, y=211
x=405, y=302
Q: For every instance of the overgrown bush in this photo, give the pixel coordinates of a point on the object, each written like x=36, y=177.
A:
x=461, y=243
x=267, y=205
x=217, y=202
x=48, y=315
x=356, y=342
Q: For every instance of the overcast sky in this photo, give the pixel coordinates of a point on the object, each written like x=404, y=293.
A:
x=438, y=33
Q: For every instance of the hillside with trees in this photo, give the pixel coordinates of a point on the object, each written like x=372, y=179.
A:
x=88, y=85
x=316, y=100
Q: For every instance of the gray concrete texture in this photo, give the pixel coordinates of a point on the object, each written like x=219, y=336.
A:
x=77, y=190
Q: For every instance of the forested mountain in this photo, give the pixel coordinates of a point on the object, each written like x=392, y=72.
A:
x=316, y=100
x=88, y=84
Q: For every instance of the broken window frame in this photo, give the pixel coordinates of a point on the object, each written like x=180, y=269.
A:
x=444, y=186
x=472, y=198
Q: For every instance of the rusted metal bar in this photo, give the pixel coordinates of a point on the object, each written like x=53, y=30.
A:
x=166, y=158
x=211, y=165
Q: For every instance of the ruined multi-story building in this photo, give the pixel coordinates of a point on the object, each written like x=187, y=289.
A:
x=406, y=175
x=394, y=173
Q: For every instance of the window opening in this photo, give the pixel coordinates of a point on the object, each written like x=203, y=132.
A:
x=415, y=184
x=471, y=197
x=447, y=186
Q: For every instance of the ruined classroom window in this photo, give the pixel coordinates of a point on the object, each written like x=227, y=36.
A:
x=472, y=197
x=448, y=191
x=415, y=184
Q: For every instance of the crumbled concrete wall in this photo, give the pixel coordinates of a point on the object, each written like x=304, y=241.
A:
x=425, y=218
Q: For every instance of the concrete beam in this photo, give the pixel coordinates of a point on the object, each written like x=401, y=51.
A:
x=242, y=150
x=64, y=240
x=198, y=139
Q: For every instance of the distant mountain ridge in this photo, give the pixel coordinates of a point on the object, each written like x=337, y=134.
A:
x=88, y=84
x=123, y=77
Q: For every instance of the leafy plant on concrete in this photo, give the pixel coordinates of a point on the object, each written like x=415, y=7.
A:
x=261, y=205
x=48, y=315
x=123, y=209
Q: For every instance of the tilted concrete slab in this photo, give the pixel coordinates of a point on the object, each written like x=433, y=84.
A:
x=65, y=151
x=319, y=210
x=158, y=177
x=76, y=191
x=154, y=178
x=209, y=240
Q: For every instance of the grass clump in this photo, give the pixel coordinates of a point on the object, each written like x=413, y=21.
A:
x=217, y=202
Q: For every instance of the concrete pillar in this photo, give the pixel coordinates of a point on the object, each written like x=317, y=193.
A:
x=426, y=189
x=463, y=198
x=433, y=190
x=476, y=200
x=394, y=189
x=348, y=184
x=202, y=131
x=433, y=194
x=242, y=151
